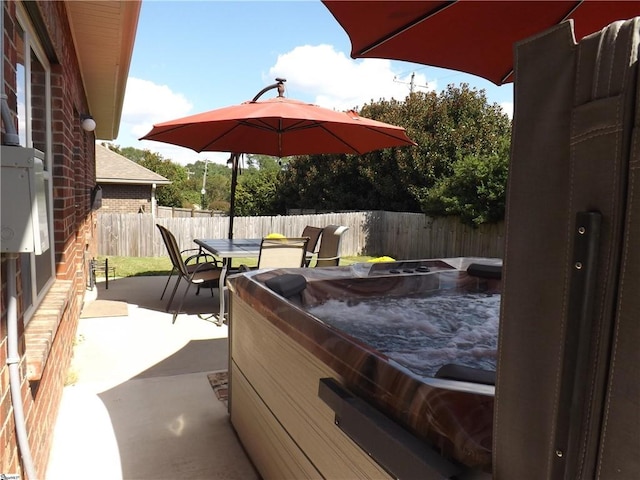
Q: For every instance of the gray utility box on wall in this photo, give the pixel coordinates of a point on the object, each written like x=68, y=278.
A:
x=24, y=201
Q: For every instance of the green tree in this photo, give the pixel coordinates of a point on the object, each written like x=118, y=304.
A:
x=448, y=127
x=132, y=153
x=475, y=191
x=219, y=189
x=217, y=186
x=187, y=181
x=257, y=186
x=167, y=195
x=458, y=167
x=329, y=182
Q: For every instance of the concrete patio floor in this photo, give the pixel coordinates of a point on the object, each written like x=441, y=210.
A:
x=142, y=406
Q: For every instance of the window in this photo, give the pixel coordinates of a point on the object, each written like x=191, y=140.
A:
x=33, y=90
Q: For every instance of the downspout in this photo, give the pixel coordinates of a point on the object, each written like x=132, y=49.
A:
x=13, y=361
x=13, y=356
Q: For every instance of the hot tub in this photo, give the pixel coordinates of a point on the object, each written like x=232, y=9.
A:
x=370, y=371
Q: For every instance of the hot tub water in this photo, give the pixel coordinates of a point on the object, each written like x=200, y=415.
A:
x=422, y=333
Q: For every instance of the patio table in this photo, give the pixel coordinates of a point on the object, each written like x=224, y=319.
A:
x=227, y=249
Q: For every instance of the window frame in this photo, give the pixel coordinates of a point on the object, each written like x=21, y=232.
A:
x=29, y=271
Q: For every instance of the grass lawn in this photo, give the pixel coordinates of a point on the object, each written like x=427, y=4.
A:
x=143, y=266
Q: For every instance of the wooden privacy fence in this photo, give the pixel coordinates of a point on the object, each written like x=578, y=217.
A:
x=398, y=235
x=172, y=212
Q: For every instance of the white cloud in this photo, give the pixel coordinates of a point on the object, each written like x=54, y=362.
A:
x=318, y=74
x=338, y=82
x=147, y=103
x=508, y=108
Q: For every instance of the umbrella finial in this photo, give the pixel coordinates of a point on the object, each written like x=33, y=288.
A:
x=281, y=86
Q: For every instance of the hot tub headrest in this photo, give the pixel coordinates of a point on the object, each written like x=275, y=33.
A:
x=461, y=373
x=287, y=284
x=485, y=271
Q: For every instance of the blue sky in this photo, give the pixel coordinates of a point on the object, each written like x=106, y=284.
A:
x=194, y=56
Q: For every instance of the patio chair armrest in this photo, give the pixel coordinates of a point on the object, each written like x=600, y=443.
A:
x=203, y=267
x=337, y=257
x=321, y=260
x=182, y=252
x=201, y=257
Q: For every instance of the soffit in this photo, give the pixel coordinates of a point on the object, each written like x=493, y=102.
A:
x=104, y=34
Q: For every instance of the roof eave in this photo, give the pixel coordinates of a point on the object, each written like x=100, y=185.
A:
x=132, y=182
x=104, y=35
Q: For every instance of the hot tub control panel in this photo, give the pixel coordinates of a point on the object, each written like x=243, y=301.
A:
x=407, y=267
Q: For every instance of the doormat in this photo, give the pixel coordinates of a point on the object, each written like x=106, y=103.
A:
x=220, y=383
x=105, y=308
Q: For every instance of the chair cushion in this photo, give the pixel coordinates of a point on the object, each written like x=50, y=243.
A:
x=207, y=277
x=201, y=267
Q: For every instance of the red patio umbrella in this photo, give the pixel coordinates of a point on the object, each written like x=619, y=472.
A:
x=475, y=37
x=280, y=127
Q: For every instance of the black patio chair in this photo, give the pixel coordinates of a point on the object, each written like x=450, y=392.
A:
x=200, y=269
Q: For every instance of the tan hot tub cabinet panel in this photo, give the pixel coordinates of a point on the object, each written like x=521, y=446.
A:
x=292, y=434
x=568, y=383
x=273, y=452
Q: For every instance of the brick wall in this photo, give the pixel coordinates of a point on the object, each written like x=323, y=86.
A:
x=126, y=198
x=45, y=345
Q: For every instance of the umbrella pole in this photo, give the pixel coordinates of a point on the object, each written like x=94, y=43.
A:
x=234, y=182
x=236, y=156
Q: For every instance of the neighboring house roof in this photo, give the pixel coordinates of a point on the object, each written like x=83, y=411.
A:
x=104, y=35
x=112, y=167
